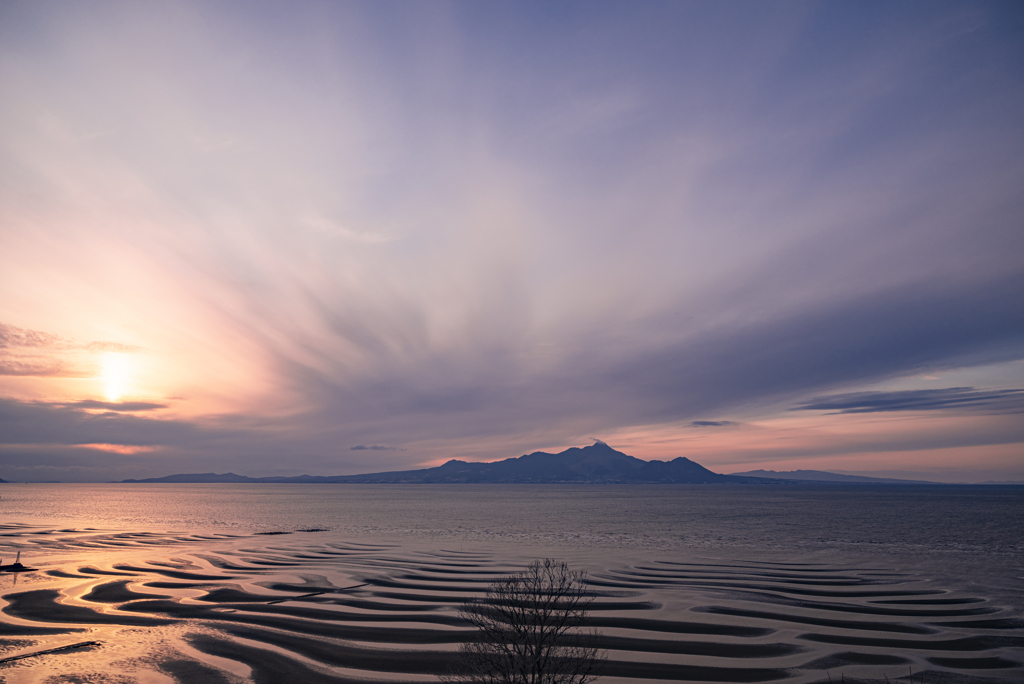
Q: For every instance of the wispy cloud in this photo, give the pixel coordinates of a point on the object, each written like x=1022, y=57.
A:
x=36, y=367
x=119, y=448
x=342, y=224
x=12, y=337
x=36, y=353
x=122, y=406
x=27, y=422
x=919, y=400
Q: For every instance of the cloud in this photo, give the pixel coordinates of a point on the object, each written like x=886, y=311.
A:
x=712, y=423
x=45, y=368
x=332, y=230
x=1009, y=400
x=13, y=336
x=27, y=422
x=112, y=347
x=346, y=225
x=34, y=353
x=115, y=406
x=874, y=335
x=20, y=363
x=118, y=448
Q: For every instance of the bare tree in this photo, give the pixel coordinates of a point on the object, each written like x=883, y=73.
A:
x=529, y=630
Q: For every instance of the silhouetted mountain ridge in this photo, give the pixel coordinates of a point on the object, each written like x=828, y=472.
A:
x=825, y=476
x=208, y=478
x=598, y=464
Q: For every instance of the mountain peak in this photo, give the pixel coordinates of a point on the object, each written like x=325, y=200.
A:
x=596, y=463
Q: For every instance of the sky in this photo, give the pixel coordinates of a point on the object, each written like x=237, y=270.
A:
x=344, y=237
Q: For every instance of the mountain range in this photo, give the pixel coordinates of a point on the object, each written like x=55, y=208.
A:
x=595, y=464
x=824, y=476
x=598, y=464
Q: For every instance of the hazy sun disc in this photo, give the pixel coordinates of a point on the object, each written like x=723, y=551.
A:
x=115, y=375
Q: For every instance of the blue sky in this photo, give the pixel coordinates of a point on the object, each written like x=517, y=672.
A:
x=256, y=236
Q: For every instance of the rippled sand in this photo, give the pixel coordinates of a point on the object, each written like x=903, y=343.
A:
x=310, y=606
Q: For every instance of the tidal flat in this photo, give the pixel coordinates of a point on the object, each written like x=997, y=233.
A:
x=357, y=583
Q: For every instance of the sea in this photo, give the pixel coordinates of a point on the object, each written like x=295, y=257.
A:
x=363, y=583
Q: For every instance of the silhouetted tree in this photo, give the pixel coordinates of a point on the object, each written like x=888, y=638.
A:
x=529, y=630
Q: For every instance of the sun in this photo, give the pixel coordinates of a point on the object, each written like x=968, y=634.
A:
x=115, y=374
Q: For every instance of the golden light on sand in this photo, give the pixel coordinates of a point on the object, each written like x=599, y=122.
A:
x=115, y=374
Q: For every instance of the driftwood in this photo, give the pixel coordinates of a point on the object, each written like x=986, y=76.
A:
x=82, y=644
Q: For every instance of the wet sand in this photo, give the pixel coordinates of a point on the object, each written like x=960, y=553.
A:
x=315, y=607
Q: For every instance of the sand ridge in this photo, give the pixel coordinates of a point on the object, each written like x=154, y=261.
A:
x=313, y=606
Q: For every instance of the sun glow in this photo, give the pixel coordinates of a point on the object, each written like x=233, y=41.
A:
x=115, y=375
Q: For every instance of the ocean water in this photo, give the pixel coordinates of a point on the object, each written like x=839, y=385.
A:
x=950, y=526
x=691, y=583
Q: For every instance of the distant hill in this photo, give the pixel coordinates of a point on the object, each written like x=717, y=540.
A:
x=199, y=478
x=824, y=476
x=598, y=464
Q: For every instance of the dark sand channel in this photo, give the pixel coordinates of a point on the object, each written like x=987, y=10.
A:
x=316, y=607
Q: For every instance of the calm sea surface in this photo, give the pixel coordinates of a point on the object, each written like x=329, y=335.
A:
x=951, y=529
